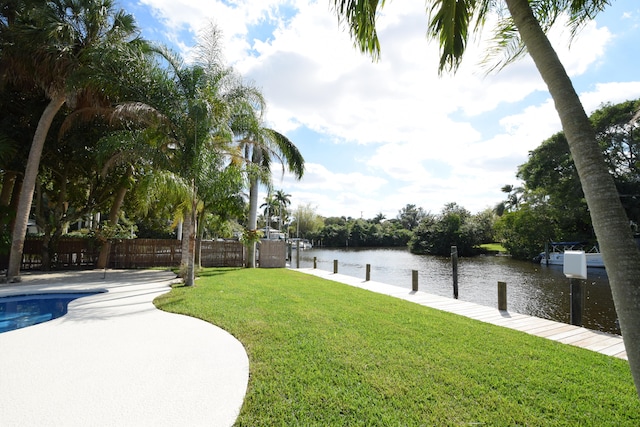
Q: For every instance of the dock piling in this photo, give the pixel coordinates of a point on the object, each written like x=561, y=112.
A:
x=502, y=296
x=454, y=263
x=575, y=313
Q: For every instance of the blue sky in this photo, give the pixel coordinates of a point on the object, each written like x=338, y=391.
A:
x=379, y=136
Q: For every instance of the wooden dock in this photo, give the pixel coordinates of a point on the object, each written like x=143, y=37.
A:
x=600, y=342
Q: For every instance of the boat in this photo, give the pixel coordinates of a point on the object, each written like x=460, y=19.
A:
x=555, y=254
x=304, y=243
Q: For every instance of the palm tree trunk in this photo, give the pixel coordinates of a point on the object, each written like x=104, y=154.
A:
x=28, y=186
x=610, y=223
x=103, y=257
x=186, y=226
x=253, y=220
x=199, y=236
x=189, y=280
x=7, y=187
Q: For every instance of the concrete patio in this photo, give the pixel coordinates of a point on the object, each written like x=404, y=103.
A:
x=116, y=360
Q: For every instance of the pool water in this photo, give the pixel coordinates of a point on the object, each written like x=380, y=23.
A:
x=26, y=310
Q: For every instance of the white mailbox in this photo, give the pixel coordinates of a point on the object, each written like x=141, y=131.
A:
x=575, y=265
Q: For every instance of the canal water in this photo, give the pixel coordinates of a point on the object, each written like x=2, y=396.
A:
x=534, y=289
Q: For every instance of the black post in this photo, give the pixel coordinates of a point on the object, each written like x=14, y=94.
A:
x=368, y=273
x=335, y=266
x=502, y=296
x=298, y=254
x=454, y=262
x=546, y=253
x=575, y=313
x=315, y=262
x=414, y=280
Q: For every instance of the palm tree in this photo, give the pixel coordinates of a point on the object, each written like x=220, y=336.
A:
x=283, y=199
x=378, y=218
x=260, y=144
x=208, y=98
x=451, y=22
x=270, y=206
x=53, y=46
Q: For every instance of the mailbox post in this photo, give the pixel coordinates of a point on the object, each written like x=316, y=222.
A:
x=575, y=268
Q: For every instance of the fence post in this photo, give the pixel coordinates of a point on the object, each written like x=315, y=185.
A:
x=454, y=263
x=414, y=280
x=368, y=273
x=502, y=296
x=315, y=262
x=335, y=266
x=575, y=313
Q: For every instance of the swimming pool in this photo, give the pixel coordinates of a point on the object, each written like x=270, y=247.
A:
x=20, y=311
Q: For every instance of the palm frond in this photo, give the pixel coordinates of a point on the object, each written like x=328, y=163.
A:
x=449, y=23
x=582, y=11
x=360, y=18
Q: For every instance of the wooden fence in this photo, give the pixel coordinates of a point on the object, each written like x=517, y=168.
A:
x=272, y=254
x=136, y=253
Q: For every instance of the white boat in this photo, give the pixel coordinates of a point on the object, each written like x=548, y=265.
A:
x=555, y=256
x=304, y=243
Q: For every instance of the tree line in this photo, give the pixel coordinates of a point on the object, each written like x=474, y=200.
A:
x=549, y=205
x=113, y=126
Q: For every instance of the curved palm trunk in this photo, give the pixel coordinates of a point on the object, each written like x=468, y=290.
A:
x=28, y=186
x=611, y=225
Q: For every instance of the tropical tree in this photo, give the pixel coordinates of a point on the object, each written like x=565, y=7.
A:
x=436, y=234
x=307, y=222
x=551, y=179
x=199, y=124
x=378, y=218
x=55, y=46
x=451, y=22
x=260, y=145
x=514, y=198
x=270, y=208
x=525, y=231
x=410, y=216
x=283, y=200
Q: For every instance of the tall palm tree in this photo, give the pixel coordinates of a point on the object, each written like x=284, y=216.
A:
x=283, y=199
x=270, y=207
x=451, y=23
x=260, y=145
x=54, y=45
x=207, y=98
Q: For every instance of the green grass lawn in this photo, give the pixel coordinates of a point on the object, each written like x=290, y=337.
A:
x=327, y=354
x=494, y=247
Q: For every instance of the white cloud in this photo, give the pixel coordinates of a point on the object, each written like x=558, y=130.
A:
x=425, y=139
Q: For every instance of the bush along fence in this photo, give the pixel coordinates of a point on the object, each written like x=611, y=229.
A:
x=74, y=253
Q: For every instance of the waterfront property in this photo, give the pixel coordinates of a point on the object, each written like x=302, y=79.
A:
x=533, y=289
x=601, y=342
x=324, y=353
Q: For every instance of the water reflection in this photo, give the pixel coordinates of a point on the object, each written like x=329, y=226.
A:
x=534, y=289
